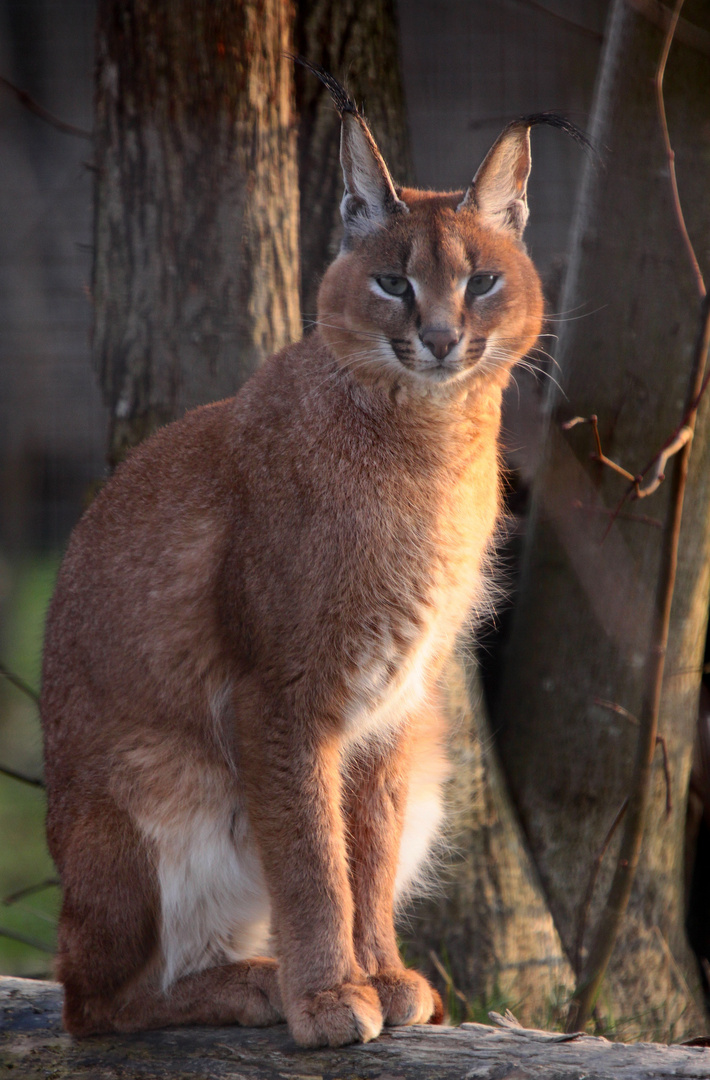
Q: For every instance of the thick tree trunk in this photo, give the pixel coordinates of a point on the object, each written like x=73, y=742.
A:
x=487, y=921
x=580, y=633
x=196, y=245
x=357, y=41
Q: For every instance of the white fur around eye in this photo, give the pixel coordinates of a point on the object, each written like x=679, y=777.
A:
x=379, y=291
x=494, y=289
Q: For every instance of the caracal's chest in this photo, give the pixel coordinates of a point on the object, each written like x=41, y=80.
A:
x=397, y=663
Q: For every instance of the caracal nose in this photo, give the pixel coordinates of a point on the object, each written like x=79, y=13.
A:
x=440, y=340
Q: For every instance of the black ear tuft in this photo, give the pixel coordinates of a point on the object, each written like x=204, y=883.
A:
x=341, y=98
x=562, y=124
x=370, y=198
x=498, y=192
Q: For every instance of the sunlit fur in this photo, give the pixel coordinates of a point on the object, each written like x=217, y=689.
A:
x=244, y=730
x=438, y=247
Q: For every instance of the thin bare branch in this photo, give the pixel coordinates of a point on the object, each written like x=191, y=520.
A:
x=661, y=741
x=657, y=472
x=686, y=32
x=30, y=890
x=658, y=85
x=653, y=475
x=16, y=681
x=450, y=985
x=34, y=107
x=613, y=706
x=591, y=883
x=33, y=781
x=25, y=939
x=603, y=511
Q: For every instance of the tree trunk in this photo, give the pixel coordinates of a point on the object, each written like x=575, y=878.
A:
x=487, y=922
x=355, y=40
x=580, y=633
x=196, y=235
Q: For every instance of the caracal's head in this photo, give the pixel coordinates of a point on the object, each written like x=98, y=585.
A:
x=432, y=291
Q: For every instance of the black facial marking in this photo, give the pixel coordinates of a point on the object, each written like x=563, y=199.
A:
x=404, y=351
x=476, y=349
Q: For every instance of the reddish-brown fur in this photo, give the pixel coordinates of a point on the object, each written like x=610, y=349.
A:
x=240, y=685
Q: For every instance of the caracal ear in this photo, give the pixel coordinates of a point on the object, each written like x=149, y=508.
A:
x=498, y=191
x=370, y=199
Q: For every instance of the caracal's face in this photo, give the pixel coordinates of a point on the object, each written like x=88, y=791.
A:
x=432, y=297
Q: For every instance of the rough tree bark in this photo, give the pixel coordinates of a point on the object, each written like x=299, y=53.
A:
x=34, y=1046
x=487, y=919
x=357, y=41
x=581, y=625
x=196, y=235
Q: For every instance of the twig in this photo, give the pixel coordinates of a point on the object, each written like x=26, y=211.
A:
x=614, y=707
x=25, y=940
x=30, y=890
x=661, y=741
x=602, y=511
x=589, y=892
x=656, y=470
x=450, y=985
x=34, y=781
x=684, y=432
x=34, y=107
x=590, y=981
x=686, y=32
x=658, y=85
x=16, y=681
x=599, y=456
x=655, y=467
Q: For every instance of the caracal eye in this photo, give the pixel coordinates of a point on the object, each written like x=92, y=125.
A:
x=393, y=284
x=480, y=284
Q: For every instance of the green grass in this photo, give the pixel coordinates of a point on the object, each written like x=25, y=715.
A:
x=24, y=859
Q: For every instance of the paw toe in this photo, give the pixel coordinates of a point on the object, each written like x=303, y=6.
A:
x=346, y=1014
x=407, y=998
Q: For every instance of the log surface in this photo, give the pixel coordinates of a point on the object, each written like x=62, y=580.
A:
x=33, y=1045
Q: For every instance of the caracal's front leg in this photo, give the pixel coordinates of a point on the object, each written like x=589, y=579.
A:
x=293, y=789
x=376, y=792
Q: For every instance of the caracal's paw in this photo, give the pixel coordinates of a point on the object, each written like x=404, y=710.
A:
x=347, y=1014
x=264, y=1005
x=407, y=998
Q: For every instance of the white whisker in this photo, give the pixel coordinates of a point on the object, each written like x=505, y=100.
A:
x=370, y=334
x=575, y=318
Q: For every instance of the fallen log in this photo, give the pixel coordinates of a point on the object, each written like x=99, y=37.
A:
x=33, y=1045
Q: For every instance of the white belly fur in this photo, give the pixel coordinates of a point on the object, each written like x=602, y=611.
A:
x=213, y=897
x=214, y=902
